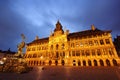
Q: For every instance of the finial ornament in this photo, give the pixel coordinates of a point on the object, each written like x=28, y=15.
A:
x=92, y=27
x=23, y=37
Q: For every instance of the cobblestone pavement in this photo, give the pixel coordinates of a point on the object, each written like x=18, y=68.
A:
x=66, y=73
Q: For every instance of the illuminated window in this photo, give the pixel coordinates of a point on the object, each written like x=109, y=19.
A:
x=87, y=52
x=63, y=46
x=101, y=42
x=28, y=49
x=51, y=47
x=30, y=55
x=33, y=49
x=86, y=43
x=81, y=44
x=110, y=51
x=69, y=53
x=77, y=53
x=104, y=52
x=73, y=53
x=63, y=53
x=98, y=52
x=96, y=42
x=72, y=44
x=93, y=52
x=77, y=44
x=90, y=43
x=57, y=46
x=107, y=41
x=34, y=55
x=39, y=55
x=82, y=51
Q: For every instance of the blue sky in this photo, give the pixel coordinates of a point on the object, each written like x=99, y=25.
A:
x=38, y=18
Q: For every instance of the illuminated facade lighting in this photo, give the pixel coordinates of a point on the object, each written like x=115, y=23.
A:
x=92, y=47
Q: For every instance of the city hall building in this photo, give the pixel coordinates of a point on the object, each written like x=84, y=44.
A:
x=93, y=47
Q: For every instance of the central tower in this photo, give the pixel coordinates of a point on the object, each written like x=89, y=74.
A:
x=58, y=29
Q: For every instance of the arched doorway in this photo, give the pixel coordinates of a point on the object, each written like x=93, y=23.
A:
x=95, y=63
x=84, y=63
x=56, y=62
x=74, y=63
x=101, y=62
x=50, y=62
x=79, y=63
x=107, y=62
x=89, y=63
x=114, y=62
x=63, y=62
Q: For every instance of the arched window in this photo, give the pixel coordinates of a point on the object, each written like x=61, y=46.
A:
x=114, y=62
x=95, y=63
x=62, y=62
x=89, y=63
x=79, y=63
x=107, y=62
x=101, y=62
x=84, y=63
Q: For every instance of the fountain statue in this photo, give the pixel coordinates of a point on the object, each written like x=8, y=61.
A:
x=18, y=63
x=20, y=47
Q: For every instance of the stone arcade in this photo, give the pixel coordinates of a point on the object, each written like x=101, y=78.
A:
x=92, y=47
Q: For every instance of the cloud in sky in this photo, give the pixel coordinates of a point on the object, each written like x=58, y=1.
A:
x=38, y=17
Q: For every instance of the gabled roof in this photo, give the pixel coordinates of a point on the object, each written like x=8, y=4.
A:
x=39, y=41
x=87, y=33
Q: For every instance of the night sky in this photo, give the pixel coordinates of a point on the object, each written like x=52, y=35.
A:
x=38, y=18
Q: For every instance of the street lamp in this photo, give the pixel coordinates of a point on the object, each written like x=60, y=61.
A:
x=4, y=58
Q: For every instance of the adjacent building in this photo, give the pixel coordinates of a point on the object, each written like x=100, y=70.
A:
x=6, y=54
x=93, y=47
x=117, y=44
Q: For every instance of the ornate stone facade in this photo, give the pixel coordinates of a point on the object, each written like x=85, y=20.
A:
x=92, y=47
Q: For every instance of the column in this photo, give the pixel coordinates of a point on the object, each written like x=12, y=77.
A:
x=111, y=63
x=98, y=62
x=86, y=62
x=104, y=62
x=92, y=62
x=81, y=62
